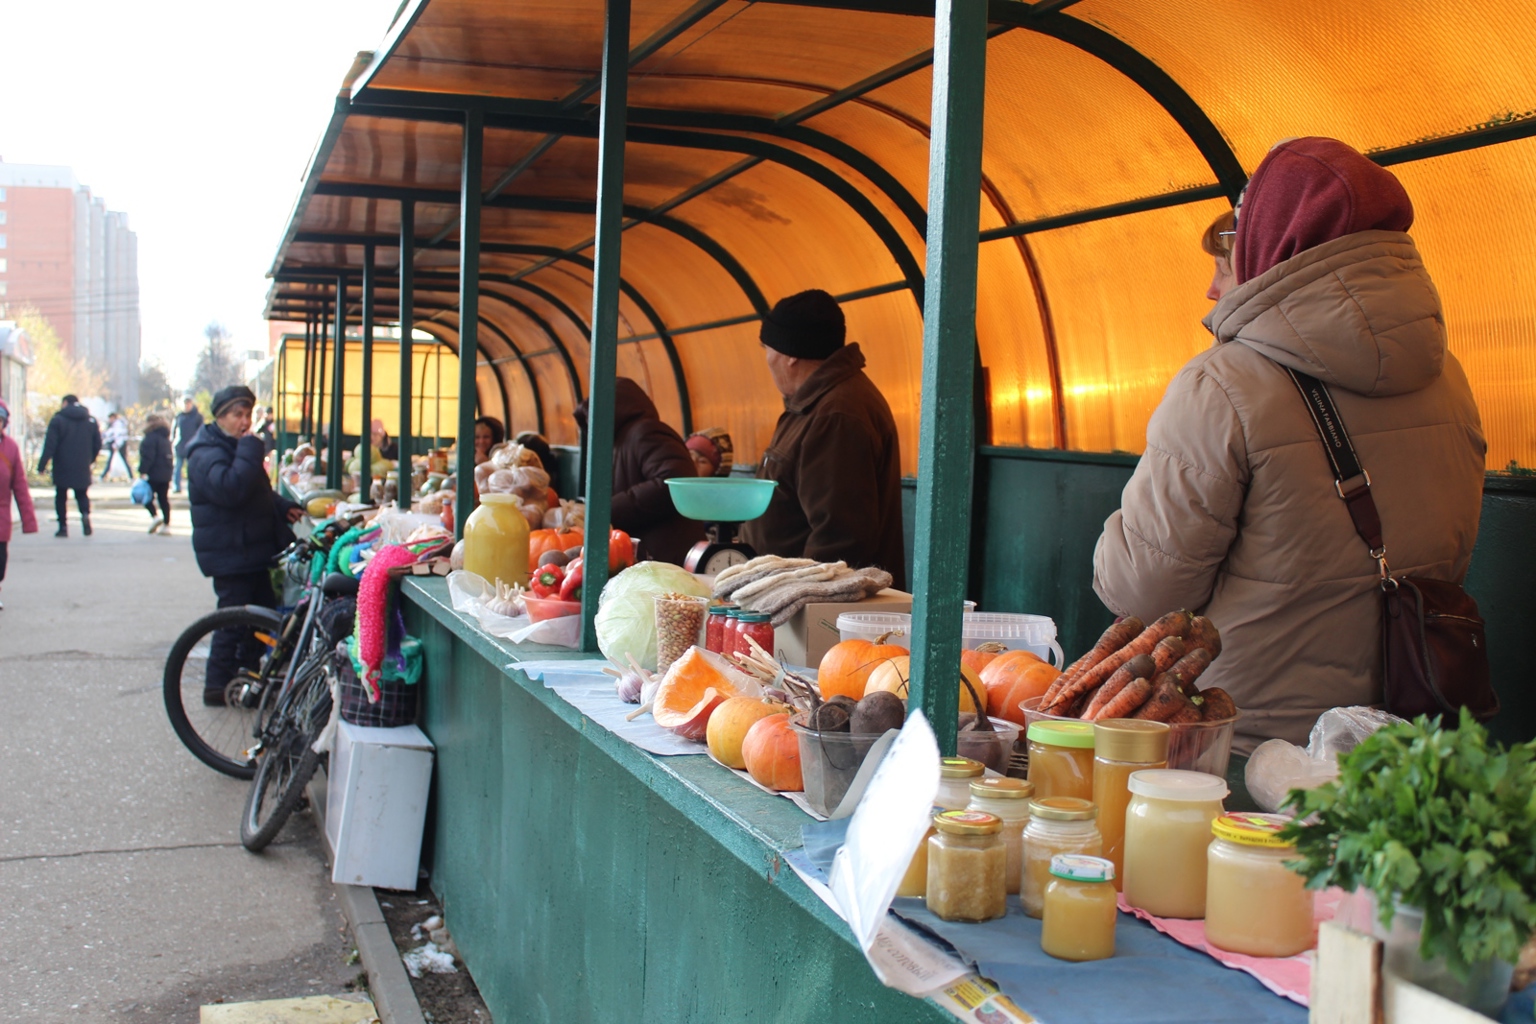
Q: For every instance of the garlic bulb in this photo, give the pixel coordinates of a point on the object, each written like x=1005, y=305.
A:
x=507, y=601
x=628, y=687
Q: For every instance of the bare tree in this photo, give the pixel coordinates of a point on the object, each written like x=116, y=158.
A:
x=217, y=366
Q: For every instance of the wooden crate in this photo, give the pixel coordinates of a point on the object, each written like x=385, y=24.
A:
x=1349, y=986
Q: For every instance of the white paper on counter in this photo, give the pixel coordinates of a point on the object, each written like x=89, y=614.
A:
x=883, y=835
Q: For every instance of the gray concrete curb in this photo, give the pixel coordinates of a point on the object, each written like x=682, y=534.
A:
x=388, y=984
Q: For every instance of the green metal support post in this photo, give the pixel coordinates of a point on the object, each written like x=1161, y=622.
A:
x=309, y=363
x=605, y=313
x=469, y=311
x=407, y=305
x=334, y=460
x=365, y=438
x=946, y=433
x=280, y=399
x=319, y=400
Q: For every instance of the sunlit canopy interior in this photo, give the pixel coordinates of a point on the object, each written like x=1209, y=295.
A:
x=434, y=387
x=775, y=147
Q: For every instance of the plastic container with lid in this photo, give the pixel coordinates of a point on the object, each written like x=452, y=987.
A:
x=1035, y=633
x=1080, y=908
x=1061, y=758
x=1255, y=904
x=1009, y=800
x=967, y=867
x=714, y=628
x=1057, y=824
x=1122, y=746
x=1167, y=828
x=496, y=541
x=872, y=625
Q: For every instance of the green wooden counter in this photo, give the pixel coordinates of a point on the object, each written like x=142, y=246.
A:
x=587, y=880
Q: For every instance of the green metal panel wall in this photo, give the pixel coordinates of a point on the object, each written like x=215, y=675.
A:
x=1503, y=579
x=577, y=890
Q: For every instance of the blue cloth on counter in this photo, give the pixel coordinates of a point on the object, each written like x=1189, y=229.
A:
x=822, y=840
x=1151, y=979
x=585, y=686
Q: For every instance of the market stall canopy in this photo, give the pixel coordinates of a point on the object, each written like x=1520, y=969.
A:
x=774, y=147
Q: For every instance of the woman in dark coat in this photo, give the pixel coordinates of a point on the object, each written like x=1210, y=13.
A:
x=155, y=464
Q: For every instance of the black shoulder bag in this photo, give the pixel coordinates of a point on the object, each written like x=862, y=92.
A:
x=1434, y=654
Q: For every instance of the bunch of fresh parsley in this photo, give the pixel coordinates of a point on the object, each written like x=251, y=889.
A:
x=1439, y=819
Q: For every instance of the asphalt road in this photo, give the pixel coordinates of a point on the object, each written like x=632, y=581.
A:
x=124, y=891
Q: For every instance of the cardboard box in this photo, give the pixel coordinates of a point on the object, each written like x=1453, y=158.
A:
x=806, y=637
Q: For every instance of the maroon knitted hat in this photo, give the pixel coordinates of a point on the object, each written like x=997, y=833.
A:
x=1310, y=191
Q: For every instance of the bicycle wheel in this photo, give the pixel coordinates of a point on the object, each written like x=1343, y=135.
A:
x=287, y=761
x=212, y=720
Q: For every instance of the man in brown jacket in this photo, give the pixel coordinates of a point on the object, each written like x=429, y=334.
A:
x=1232, y=510
x=834, y=453
x=647, y=453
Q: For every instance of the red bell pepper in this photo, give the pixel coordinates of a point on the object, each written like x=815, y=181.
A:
x=547, y=580
x=621, y=551
x=570, y=587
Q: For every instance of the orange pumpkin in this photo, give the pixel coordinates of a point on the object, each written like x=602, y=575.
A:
x=689, y=693
x=729, y=724
x=541, y=542
x=982, y=656
x=846, y=666
x=893, y=675
x=772, y=754
x=1013, y=678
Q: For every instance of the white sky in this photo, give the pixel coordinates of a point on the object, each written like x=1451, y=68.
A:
x=197, y=120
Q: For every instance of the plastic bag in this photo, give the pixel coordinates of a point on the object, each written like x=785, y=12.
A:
x=1277, y=767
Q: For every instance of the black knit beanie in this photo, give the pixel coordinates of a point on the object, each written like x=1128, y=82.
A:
x=809, y=325
x=227, y=397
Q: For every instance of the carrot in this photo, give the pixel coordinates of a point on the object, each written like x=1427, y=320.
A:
x=1167, y=700
x=1115, y=637
x=1133, y=696
x=1172, y=624
x=1168, y=650
x=1217, y=705
x=1141, y=666
x=1186, y=715
x=1203, y=633
x=1187, y=669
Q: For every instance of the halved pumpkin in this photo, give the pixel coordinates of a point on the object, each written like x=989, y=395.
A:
x=693, y=687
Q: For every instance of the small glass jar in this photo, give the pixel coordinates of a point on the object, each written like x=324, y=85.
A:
x=714, y=629
x=967, y=867
x=1009, y=800
x=1080, y=909
x=915, y=881
x=1122, y=746
x=1255, y=904
x=1167, y=828
x=729, y=632
x=1057, y=824
x=754, y=626
x=955, y=777
x=1061, y=759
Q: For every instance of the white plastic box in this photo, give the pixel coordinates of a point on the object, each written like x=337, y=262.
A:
x=376, y=804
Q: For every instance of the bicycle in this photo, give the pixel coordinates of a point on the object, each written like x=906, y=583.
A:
x=219, y=734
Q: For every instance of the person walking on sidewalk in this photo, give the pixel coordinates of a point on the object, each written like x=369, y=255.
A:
x=155, y=469
x=72, y=444
x=13, y=486
x=188, y=422
x=115, y=437
x=238, y=525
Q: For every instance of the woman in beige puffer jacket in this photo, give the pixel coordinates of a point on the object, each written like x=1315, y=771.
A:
x=1232, y=510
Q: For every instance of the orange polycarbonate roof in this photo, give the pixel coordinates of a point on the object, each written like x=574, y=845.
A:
x=775, y=147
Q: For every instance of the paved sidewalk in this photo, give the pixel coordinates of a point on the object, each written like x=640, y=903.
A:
x=124, y=892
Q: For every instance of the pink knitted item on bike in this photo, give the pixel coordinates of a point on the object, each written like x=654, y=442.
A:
x=372, y=613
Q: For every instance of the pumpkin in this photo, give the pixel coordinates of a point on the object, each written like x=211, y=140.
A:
x=846, y=666
x=1013, y=678
x=540, y=542
x=696, y=684
x=771, y=751
x=729, y=724
x=982, y=656
x=892, y=676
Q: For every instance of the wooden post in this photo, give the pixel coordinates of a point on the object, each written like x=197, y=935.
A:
x=407, y=304
x=469, y=312
x=946, y=442
x=605, y=314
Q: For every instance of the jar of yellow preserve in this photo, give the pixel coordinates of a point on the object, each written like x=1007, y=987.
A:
x=1122, y=746
x=496, y=541
x=1009, y=800
x=1057, y=824
x=967, y=867
x=1061, y=758
x=1167, y=828
x=1080, y=908
x=955, y=777
x=1254, y=904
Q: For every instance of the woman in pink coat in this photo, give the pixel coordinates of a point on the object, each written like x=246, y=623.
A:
x=13, y=482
